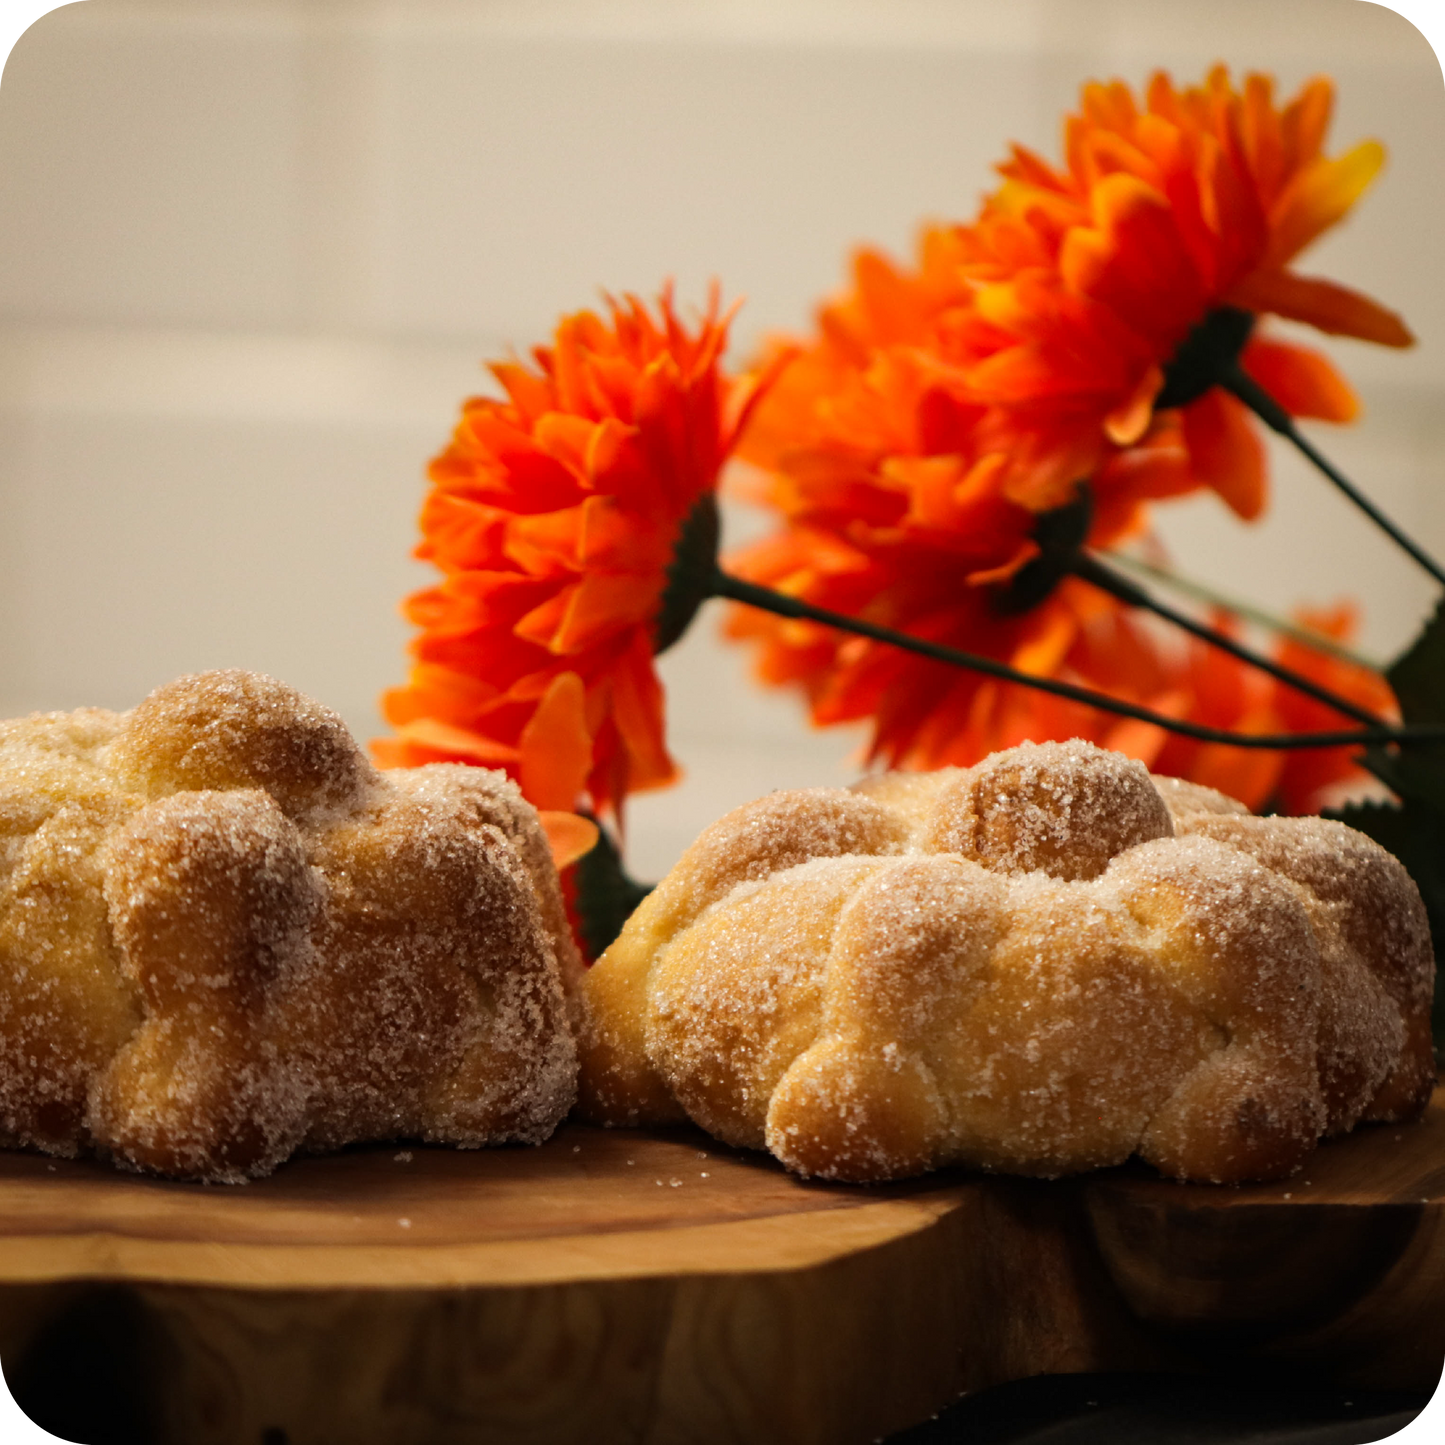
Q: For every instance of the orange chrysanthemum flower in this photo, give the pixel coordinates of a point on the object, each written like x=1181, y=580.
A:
x=1085, y=281
x=895, y=515
x=553, y=517
x=1056, y=313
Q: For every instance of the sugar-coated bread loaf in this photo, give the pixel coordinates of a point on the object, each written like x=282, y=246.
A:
x=225, y=937
x=1045, y=963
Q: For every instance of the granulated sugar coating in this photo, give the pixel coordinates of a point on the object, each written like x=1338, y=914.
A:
x=1065, y=808
x=227, y=938
x=1045, y=963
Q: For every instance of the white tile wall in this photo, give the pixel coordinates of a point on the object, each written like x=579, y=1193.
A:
x=251, y=252
x=151, y=171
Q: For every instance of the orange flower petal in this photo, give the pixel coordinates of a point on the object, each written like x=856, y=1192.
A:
x=569, y=837
x=1134, y=262
x=637, y=705
x=599, y=534
x=1302, y=381
x=584, y=447
x=437, y=692
x=1136, y=739
x=1225, y=452
x=1318, y=196
x=556, y=747
x=1046, y=643
x=530, y=394
x=1328, y=307
x=1249, y=774
x=545, y=542
x=455, y=742
x=1129, y=421
x=392, y=753
x=597, y=606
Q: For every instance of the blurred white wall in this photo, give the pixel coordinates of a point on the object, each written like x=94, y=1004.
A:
x=253, y=251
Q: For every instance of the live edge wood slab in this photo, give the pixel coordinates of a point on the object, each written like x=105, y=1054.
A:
x=655, y=1287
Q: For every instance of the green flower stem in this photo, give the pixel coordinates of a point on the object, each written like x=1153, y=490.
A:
x=1095, y=572
x=735, y=589
x=1204, y=592
x=1060, y=534
x=1240, y=384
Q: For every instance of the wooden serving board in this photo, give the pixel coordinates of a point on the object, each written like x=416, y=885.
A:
x=656, y=1287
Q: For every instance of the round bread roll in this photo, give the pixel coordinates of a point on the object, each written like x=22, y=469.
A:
x=226, y=937
x=1045, y=963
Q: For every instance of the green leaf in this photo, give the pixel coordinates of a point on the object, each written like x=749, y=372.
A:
x=605, y=895
x=1416, y=770
x=1417, y=775
x=1415, y=834
x=1415, y=831
x=1418, y=674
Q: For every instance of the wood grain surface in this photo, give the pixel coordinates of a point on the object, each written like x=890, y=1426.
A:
x=657, y=1287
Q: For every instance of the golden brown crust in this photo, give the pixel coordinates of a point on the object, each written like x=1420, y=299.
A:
x=1045, y=963
x=1377, y=1058
x=234, y=729
x=236, y=939
x=482, y=796
x=618, y=1083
